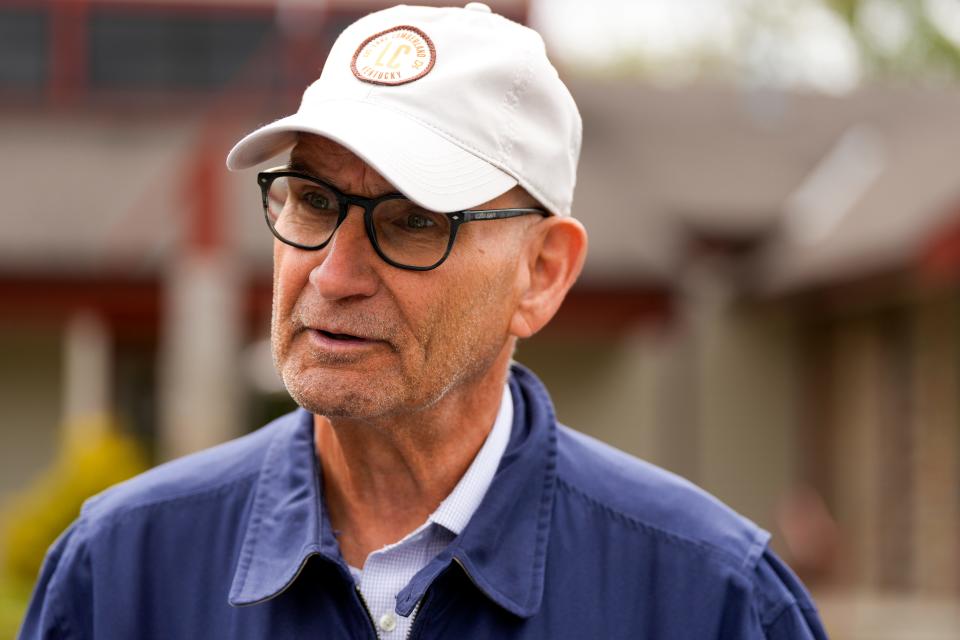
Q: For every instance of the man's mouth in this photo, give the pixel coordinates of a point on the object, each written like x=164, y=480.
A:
x=328, y=337
x=339, y=336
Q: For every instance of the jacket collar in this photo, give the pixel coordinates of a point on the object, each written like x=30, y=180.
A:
x=286, y=524
x=502, y=549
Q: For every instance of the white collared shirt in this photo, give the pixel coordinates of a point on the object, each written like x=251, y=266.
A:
x=387, y=571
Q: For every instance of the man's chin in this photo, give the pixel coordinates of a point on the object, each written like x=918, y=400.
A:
x=341, y=392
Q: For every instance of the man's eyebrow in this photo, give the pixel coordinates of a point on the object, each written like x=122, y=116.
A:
x=298, y=165
x=302, y=167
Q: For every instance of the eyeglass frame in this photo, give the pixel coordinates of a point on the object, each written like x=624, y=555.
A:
x=266, y=178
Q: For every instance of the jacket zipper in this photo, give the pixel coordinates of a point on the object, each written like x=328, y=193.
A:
x=415, y=626
x=366, y=609
x=413, y=615
x=363, y=602
x=426, y=600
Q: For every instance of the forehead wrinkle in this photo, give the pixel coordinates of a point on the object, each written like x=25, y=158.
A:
x=339, y=166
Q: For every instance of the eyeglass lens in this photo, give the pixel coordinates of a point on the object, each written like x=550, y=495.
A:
x=306, y=213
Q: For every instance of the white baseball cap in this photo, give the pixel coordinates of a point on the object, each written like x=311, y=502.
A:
x=453, y=106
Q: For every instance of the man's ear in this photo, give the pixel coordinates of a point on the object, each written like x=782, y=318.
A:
x=553, y=259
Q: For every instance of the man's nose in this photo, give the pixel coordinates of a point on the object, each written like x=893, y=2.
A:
x=346, y=268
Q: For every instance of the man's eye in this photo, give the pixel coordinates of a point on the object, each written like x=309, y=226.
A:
x=416, y=221
x=316, y=200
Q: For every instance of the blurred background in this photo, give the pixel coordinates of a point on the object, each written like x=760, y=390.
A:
x=771, y=306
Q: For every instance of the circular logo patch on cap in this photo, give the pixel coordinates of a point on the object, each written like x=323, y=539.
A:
x=395, y=56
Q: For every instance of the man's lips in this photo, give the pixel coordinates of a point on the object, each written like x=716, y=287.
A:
x=340, y=336
x=336, y=342
x=337, y=337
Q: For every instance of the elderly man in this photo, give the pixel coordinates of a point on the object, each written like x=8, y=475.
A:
x=424, y=489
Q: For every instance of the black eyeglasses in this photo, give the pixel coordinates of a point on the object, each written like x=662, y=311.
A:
x=304, y=212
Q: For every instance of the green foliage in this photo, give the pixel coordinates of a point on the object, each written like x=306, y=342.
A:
x=93, y=458
x=925, y=52
x=846, y=8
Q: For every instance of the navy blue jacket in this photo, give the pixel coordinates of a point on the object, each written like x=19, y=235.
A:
x=574, y=539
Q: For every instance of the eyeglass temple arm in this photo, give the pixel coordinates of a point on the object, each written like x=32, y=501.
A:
x=499, y=214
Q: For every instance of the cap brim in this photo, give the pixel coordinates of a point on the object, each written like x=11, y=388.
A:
x=419, y=161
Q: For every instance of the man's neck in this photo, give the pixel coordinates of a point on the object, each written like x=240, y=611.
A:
x=382, y=481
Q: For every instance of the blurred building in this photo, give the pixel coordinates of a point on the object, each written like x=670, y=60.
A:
x=770, y=306
x=115, y=118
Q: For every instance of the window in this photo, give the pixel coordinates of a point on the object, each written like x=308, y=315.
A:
x=24, y=47
x=143, y=49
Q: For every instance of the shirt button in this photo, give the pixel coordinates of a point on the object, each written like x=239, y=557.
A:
x=388, y=621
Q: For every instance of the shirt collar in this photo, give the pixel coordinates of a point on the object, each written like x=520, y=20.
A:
x=502, y=547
